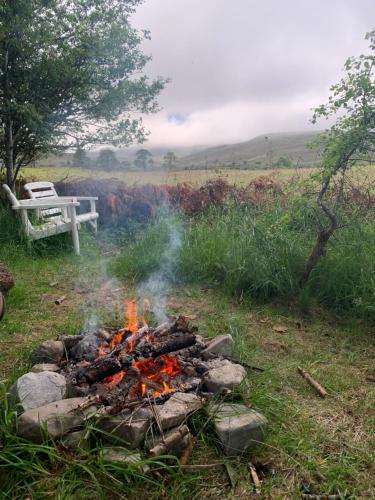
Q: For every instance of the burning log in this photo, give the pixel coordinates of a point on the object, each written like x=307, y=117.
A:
x=111, y=363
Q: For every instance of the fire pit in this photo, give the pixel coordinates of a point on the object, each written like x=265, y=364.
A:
x=140, y=385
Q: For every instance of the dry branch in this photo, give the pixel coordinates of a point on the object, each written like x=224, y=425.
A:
x=169, y=442
x=255, y=478
x=60, y=300
x=310, y=380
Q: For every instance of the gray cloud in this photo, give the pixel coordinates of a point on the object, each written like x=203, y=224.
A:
x=242, y=67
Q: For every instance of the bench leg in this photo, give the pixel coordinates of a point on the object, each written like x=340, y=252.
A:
x=75, y=236
x=94, y=225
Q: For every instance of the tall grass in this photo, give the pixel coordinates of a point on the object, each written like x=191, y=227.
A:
x=260, y=252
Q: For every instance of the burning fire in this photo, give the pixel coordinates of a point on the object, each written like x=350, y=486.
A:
x=154, y=374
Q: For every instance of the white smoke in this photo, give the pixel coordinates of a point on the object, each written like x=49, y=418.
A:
x=158, y=285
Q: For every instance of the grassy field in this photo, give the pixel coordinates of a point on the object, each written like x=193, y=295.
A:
x=194, y=177
x=325, y=444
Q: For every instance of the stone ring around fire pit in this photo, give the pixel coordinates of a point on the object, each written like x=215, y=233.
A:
x=140, y=386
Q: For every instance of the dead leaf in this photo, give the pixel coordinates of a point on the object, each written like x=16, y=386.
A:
x=191, y=317
x=280, y=328
x=264, y=320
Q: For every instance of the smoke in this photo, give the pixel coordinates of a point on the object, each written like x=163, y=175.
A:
x=158, y=285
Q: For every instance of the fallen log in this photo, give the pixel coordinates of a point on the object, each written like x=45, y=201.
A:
x=311, y=381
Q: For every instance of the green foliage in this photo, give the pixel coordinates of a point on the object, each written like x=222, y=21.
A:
x=282, y=162
x=72, y=73
x=351, y=139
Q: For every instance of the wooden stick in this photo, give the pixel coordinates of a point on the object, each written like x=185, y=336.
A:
x=255, y=478
x=187, y=451
x=169, y=442
x=243, y=363
x=60, y=300
x=310, y=380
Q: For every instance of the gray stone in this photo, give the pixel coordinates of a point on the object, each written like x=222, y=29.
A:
x=45, y=367
x=239, y=428
x=226, y=376
x=55, y=419
x=87, y=347
x=51, y=351
x=76, y=440
x=127, y=429
x=37, y=389
x=122, y=455
x=177, y=409
x=220, y=346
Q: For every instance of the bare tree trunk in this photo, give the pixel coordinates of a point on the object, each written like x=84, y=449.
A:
x=320, y=247
x=8, y=139
x=9, y=155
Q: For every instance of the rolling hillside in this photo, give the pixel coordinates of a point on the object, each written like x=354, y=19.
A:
x=264, y=151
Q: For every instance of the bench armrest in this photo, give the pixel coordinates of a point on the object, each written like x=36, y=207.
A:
x=35, y=204
x=80, y=198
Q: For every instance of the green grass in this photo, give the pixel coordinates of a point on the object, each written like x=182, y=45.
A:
x=328, y=443
x=261, y=252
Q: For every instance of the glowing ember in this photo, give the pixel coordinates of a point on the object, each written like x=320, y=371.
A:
x=114, y=380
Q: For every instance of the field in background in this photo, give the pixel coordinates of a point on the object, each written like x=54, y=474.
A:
x=195, y=177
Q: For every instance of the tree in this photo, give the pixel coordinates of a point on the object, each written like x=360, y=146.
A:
x=169, y=159
x=282, y=162
x=143, y=159
x=107, y=159
x=80, y=158
x=70, y=72
x=349, y=141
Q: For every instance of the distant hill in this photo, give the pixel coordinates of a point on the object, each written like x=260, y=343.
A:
x=268, y=150
x=264, y=151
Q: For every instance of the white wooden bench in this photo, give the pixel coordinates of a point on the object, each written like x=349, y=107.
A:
x=54, y=214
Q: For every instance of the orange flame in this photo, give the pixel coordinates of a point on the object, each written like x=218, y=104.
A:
x=113, y=380
x=132, y=316
x=157, y=371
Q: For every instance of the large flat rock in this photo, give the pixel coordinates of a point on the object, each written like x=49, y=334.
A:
x=37, y=389
x=225, y=376
x=127, y=429
x=238, y=427
x=55, y=419
x=177, y=409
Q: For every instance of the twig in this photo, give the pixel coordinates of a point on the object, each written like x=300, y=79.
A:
x=60, y=300
x=246, y=365
x=255, y=478
x=311, y=381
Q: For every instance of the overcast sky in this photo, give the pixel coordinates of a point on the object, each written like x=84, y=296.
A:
x=240, y=68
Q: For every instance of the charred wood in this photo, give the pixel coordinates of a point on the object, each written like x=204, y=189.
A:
x=119, y=359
